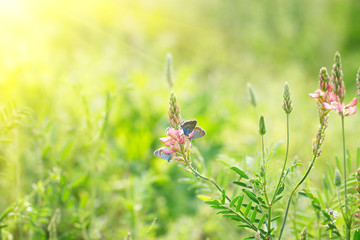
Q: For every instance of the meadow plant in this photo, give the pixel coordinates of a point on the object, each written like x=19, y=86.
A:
x=254, y=207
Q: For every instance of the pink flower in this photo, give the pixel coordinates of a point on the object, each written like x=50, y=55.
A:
x=340, y=108
x=317, y=94
x=174, y=140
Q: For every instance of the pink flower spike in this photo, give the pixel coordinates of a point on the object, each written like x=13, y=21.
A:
x=350, y=111
x=168, y=150
x=352, y=103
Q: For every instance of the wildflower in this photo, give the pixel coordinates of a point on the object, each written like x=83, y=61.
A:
x=262, y=128
x=287, y=105
x=174, y=111
x=341, y=108
x=178, y=142
x=251, y=95
x=337, y=78
x=337, y=179
x=169, y=75
x=322, y=95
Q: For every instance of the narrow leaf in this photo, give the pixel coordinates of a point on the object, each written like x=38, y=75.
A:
x=253, y=216
x=234, y=200
x=261, y=222
x=223, y=197
x=251, y=196
x=247, y=210
x=240, y=172
x=241, y=198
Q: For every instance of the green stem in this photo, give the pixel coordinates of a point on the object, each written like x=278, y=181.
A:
x=286, y=157
x=269, y=204
x=301, y=181
x=348, y=224
x=340, y=205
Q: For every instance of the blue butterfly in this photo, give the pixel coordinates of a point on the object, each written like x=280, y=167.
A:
x=189, y=126
x=160, y=154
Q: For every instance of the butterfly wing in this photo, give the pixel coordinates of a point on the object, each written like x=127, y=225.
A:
x=188, y=126
x=198, y=133
x=160, y=154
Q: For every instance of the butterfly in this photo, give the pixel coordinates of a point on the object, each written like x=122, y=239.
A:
x=189, y=126
x=160, y=154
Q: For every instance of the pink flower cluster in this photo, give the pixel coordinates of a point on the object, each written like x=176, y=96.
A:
x=331, y=101
x=174, y=140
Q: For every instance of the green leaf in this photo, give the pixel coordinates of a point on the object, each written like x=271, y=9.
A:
x=234, y=200
x=241, y=184
x=225, y=212
x=218, y=207
x=253, y=216
x=212, y=202
x=261, y=222
x=241, y=198
x=277, y=199
x=275, y=218
x=251, y=196
x=248, y=208
x=235, y=218
x=223, y=197
x=240, y=172
x=246, y=226
x=280, y=189
x=357, y=234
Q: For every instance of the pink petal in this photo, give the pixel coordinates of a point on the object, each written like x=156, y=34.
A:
x=177, y=146
x=172, y=132
x=165, y=139
x=182, y=139
x=316, y=94
x=339, y=107
x=352, y=103
x=328, y=106
x=350, y=111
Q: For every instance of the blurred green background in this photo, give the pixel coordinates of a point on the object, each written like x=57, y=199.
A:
x=87, y=78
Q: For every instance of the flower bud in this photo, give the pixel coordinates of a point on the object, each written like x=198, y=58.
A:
x=337, y=177
x=251, y=95
x=337, y=78
x=324, y=80
x=287, y=104
x=262, y=128
x=169, y=70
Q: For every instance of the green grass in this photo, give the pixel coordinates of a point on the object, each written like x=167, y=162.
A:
x=87, y=78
